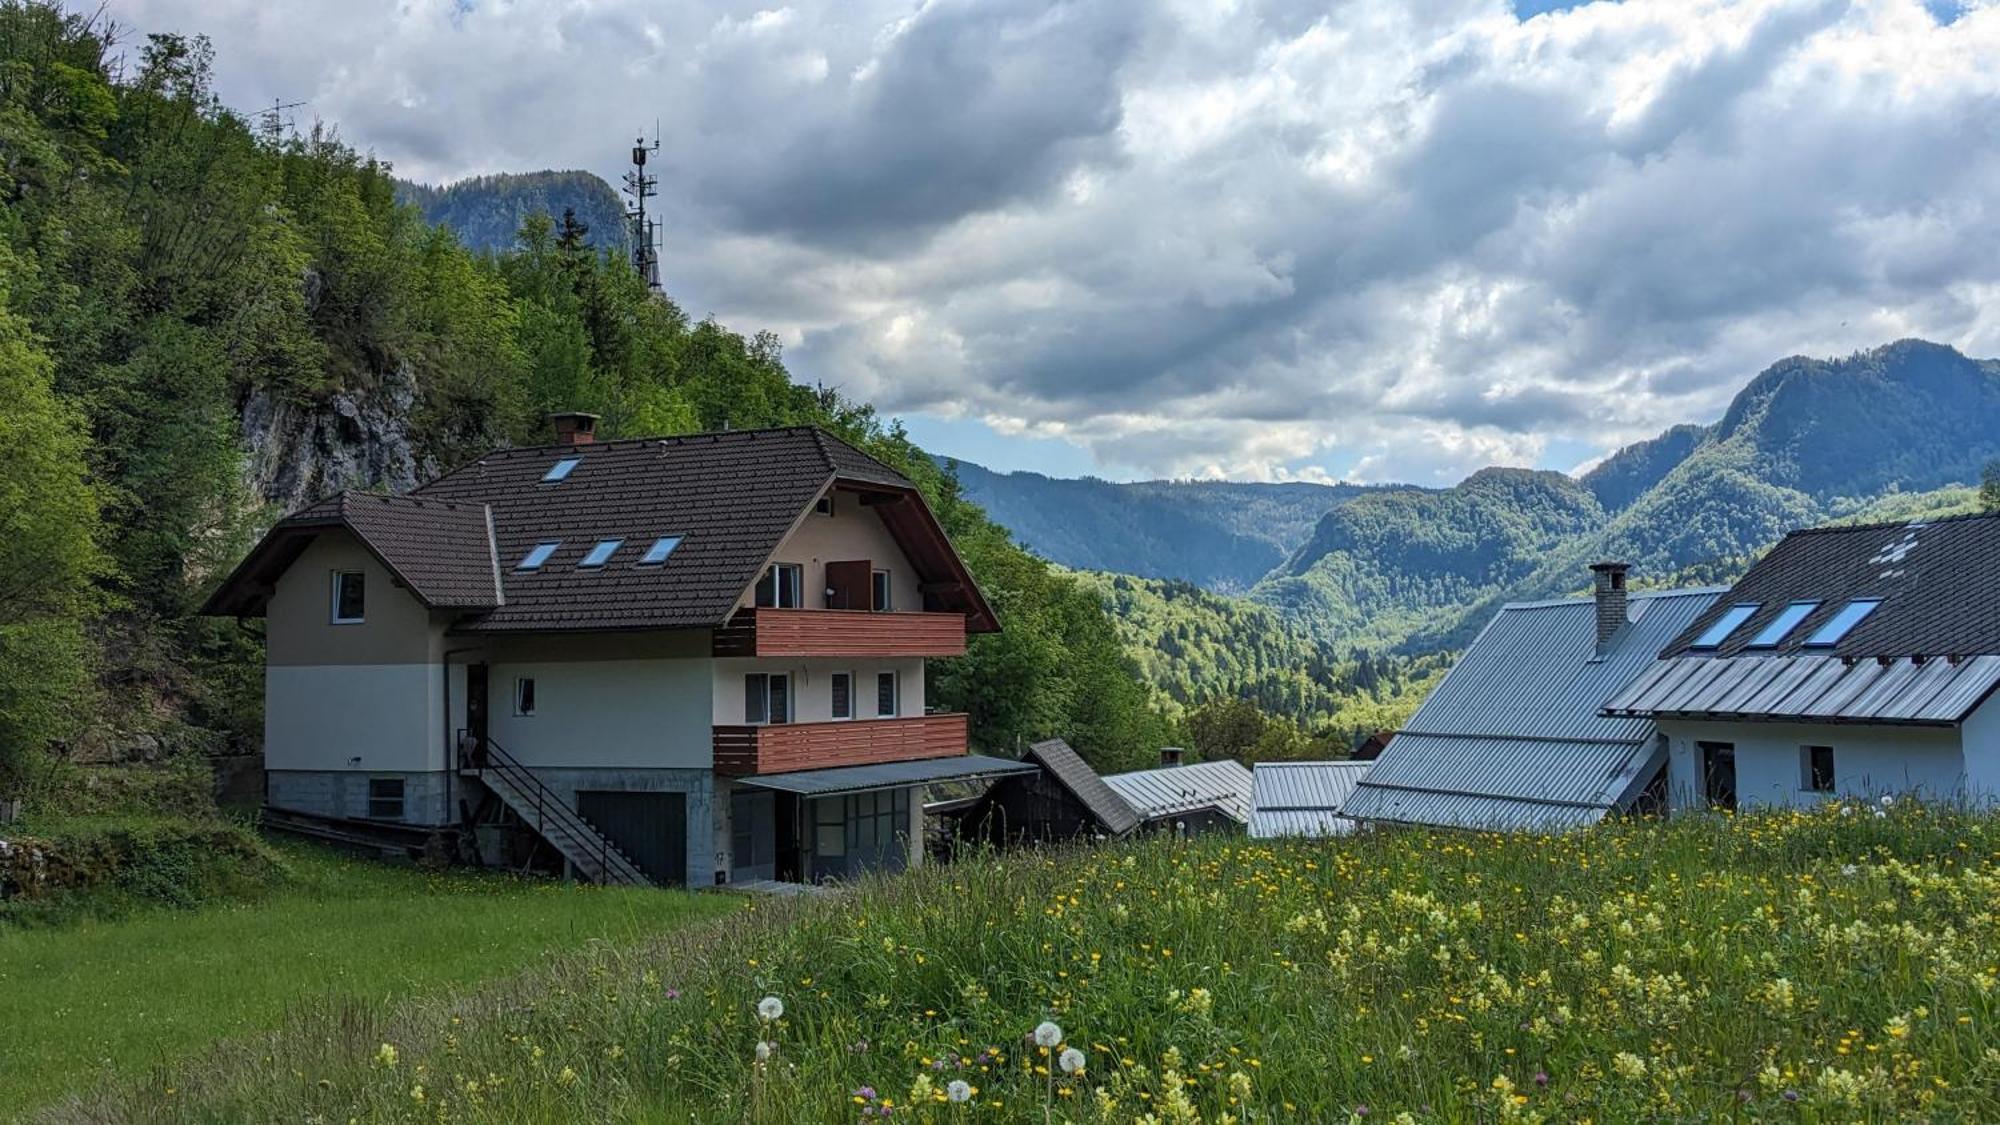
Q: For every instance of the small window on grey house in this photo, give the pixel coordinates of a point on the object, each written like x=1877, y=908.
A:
x=882, y=598
x=524, y=696
x=385, y=798
x=886, y=694
x=349, y=604
x=843, y=695
x=1816, y=763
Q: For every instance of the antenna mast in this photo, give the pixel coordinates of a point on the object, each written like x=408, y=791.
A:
x=645, y=235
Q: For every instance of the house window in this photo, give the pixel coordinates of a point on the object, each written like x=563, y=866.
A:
x=1734, y=616
x=385, y=798
x=886, y=694
x=767, y=698
x=658, y=552
x=524, y=696
x=843, y=695
x=824, y=505
x=1838, y=626
x=882, y=591
x=537, y=555
x=601, y=554
x=782, y=587
x=1816, y=768
x=348, y=601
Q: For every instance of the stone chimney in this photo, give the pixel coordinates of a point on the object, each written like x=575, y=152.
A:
x=1611, y=601
x=574, y=428
x=1172, y=756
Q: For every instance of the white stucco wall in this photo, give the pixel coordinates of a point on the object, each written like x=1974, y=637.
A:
x=851, y=532
x=603, y=702
x=1868, y=761
x=364, y=717
x=812, y=685
x=1981, y=734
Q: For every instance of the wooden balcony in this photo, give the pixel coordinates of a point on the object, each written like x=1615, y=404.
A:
x=840, y=632
x=785, y=747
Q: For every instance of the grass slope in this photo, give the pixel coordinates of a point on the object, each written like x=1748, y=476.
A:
x=114, y=998
x=1830, y=966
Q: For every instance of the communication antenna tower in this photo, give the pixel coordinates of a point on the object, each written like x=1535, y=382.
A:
x=272, y=124
x=640, y=186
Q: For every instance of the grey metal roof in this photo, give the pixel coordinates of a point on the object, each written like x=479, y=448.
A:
x=1069, y=770
x=1515, y=735
x=888, y=775
x=1302, y=798
x=1826, y=689
x=1223, y=785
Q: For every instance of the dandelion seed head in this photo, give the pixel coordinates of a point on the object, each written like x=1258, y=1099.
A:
x=770, y=1008
x=1047, y=1034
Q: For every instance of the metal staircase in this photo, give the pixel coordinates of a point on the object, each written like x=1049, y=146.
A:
x=590, y=853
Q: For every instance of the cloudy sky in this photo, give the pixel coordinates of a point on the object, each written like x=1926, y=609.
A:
x=1377, y=240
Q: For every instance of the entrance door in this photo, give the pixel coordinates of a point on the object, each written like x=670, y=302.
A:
x=1718, y=773
x=475, y=705
x=753, y=835
x=650, y=828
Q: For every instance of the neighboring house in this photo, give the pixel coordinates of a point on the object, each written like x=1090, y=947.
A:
x=1302, y=798
x=1850, y=661
x=679, y=660
x=1187, y=800
x=1514, y=737
x=1063, y=800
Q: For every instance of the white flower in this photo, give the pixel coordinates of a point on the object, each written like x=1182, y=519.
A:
x=1848, y=869
x=1887, y=800
x=1880, y=814
x=1047, y=1034
x=958, y=1091
x=770, y=1008
x=1847, y=810
x=764, y=1050
x=1071, y=1061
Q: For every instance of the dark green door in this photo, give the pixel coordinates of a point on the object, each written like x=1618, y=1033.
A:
x=650, y=828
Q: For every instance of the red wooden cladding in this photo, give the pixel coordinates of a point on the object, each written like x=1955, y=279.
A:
x=785, y=747
x=841, y=632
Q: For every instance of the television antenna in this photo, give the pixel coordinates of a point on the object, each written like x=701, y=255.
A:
x=272, y=124
x=641, y=186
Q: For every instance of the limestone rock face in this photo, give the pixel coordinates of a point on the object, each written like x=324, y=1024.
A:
x=299, y=451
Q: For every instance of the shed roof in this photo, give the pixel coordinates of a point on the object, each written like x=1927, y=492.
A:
x=1812, y=689
x=1069, y=770
x=887, y=775
x=1222, y=785
x=1515, y=735
x=1302, y=798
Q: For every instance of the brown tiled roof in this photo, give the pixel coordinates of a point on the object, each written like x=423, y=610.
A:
x=1938, y=581
x=442, y=551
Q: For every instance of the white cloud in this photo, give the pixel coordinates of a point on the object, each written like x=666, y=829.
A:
x=1258, y=239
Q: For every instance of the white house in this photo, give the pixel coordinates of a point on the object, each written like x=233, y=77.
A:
x=1851, y=661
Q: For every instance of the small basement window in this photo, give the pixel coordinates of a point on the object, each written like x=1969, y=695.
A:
x=882, y=597
x=658, y=552
x=349, y=597
x=537, y=555
x=1816, y=769
x=1773, y=634
x=887, y=694
x=1731, y=619
x=524, y=696
x=561, y=469
x=601, y=554
x=1842, y=623
x=385, y=798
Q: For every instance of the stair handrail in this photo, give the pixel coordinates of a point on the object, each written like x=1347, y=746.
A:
x=497, y=760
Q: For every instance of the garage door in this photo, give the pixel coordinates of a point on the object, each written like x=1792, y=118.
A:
x=651, y=828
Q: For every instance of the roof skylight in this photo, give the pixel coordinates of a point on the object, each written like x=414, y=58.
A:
x=1728, y=623
x=1850, y=615
x=601, y=554
x=538, y=555
x=1771, y=635
x=658, y=552
x=561, y=469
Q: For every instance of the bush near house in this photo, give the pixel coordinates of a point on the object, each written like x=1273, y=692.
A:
x=1834, y=965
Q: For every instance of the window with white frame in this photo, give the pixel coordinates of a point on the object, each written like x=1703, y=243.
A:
x=882, y=595
x=782, y=587
x=524, y=695
x=1816, y=769
x=385, y=798
x=767, y=698
x=349, y=601
x=888, y=694
x=842, y=689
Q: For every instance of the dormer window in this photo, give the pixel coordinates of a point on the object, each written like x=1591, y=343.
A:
x=561, y=469
x=600, y=554
x=537, y=555
x=1729, y=622
x=349, y=601
x=658, y=552
x=1842, y=623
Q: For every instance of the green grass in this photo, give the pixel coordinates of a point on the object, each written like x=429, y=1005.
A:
x=1833, y=966
x=83, y=1001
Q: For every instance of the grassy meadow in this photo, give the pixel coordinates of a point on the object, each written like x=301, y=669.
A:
x=1833, y=966
x=89, y=999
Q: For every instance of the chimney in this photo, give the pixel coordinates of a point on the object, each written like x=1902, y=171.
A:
x=1611, y=602
x=574, y=428
x=1171, y=756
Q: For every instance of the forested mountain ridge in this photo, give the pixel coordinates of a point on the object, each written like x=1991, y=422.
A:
x=486, y=212
x=1222, y=535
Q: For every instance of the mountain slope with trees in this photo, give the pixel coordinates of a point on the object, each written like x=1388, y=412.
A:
x=486, y=212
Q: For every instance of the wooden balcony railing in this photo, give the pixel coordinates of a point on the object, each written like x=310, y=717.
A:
x=840, y=632
x=785, y=747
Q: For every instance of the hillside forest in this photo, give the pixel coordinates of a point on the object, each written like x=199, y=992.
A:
x=203, y=322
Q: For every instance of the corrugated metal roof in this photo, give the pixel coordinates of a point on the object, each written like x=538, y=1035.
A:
x=1516, y=737
x=888, y=775
x=1224, y=785
x=1937, y=692
x=1069, y=770
x=1302, y=798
